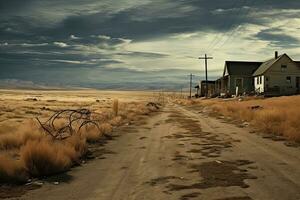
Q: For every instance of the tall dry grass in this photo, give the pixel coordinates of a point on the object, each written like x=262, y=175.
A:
x=47, y=157
x=11, y=171
x=34, y=154
x=278, y=115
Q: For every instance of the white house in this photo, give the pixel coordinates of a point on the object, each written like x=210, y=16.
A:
x=278, y=76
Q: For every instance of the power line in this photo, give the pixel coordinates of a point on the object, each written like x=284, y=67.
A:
x=235, y=31
x=228, y=35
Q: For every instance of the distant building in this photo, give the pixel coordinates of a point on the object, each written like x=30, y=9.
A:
x=278, y=76
x=237, y=77
x=201, y=88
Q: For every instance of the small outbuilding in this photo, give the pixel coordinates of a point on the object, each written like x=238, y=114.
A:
x=201, y=88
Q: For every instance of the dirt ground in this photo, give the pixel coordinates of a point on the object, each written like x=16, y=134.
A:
x=182, y=154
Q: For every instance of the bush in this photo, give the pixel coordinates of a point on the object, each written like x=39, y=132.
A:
x=116, y=121
x=10, y=141
x=11, y=171
x=105, y=128
x=91, y=133
x=46, y=157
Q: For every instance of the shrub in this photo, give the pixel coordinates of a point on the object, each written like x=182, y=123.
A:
x=116, y=121
x=27, y=131
x=92, y=136
x=105, y=128
x=78, y=144
x=10, y=141
x=11, y=171
x=46, y=157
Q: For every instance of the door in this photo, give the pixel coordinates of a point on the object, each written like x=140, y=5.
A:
x=239, y=85
x=298, y=84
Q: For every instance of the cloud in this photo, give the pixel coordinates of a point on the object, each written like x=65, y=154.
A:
x=60, y=44
x=103, y=37
x=73, y=37
x=132, y=42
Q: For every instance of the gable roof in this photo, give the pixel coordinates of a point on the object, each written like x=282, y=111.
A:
x=208, y=81
x=241, y=67
x=266, y=65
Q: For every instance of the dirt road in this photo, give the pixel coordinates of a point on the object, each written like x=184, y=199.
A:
x=181, y=154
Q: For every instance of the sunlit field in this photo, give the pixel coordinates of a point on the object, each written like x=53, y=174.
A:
x=278, y=115
x=29, y=150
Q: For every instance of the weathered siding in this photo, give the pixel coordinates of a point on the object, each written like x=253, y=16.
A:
x=277, y=78
x=247, y=84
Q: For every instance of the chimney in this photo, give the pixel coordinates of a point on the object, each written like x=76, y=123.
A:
x=276, y=54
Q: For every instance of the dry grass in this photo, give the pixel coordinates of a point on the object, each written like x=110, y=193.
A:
x=26, y=132
x=27, y=151
x=278, y=115
x=11, y=171
x=105, y=128
x=91, y=133
x=10, y=141
x=116, y=121
x=47, y=157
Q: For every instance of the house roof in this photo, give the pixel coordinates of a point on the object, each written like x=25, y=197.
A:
x=266, y=65
x=208, y=81
x=241, y=67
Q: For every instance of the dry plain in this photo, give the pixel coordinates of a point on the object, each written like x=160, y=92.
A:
x=177, y=152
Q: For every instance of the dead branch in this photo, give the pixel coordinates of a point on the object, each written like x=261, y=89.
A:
x=74, y=121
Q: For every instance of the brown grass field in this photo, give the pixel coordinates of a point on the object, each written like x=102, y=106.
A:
x=26, y=151
x=278, y=115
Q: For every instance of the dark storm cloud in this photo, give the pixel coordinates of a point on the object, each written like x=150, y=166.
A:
x=278, y=38
x=47, y=40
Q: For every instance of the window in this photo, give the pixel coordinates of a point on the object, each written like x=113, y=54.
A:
x=257, y=80
x=283, y=68
x=289, y=79
x=267, y=78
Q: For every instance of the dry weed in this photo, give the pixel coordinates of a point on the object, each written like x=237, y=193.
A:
x=278, y=115
x=91, y=133
x=105, y=128
x=11, y=171
x=46, y=157
x=116, y=121
x=10, y=141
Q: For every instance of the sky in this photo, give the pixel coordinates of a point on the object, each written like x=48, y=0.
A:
x=138, y=44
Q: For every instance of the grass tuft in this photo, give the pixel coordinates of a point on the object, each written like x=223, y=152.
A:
x=42, y=158
x=11, y=171
x=105, y=128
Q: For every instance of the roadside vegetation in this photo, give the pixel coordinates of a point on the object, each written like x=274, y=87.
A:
x=28, y=151
x=278, y=116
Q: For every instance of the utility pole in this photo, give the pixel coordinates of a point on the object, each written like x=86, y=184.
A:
x=191, y=80
x=206, y=84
